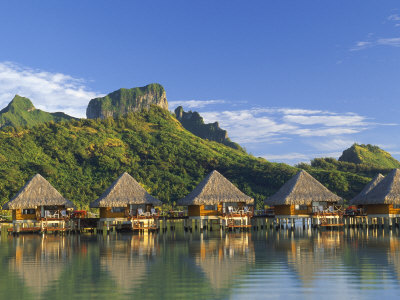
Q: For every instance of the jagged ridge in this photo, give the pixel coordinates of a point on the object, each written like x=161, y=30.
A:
x=193, y=122
x=123, y=101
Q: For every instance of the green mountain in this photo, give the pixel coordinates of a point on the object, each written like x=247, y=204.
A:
x=123, y=101
x=370, y=155
x=193, y=122
x=21, y=112
x=81, y=158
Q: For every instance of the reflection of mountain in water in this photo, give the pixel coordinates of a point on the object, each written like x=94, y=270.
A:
x=39, y=262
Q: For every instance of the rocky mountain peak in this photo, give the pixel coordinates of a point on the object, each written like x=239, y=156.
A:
x=123, y=101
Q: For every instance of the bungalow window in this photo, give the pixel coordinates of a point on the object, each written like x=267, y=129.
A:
x=117, y=209
x=396, y=206
x=210, y=207
x=300, y=207
x=30, y=211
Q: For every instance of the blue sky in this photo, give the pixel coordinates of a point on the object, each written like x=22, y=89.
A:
x=289, y=80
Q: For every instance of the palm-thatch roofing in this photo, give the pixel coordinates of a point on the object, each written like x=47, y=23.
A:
x=124, y=191
x=302, y=189
x=387, y=191
x=372, y=184
x=213, y=190
x=37, y=192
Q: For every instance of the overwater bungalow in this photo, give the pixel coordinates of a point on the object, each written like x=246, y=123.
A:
x=37, y=205
x=382, y=196
x=358, y=200
x=302, y=196
x=216, y=198
x=127, y=202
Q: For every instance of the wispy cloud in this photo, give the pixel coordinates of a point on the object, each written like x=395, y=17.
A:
x=393, y=42
x=190, y=104
x=48, y=91
x=394, y=17
x=266, y=124
x=332, y=144
x=286, y=156
x=370, y=41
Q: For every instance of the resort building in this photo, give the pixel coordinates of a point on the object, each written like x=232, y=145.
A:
x=383, y=197
x=303, y=196
x=37, y=206
x=358, y=200
x=127, y=202
x=216, y=198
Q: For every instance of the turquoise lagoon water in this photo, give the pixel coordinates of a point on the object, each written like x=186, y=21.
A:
x=284, y=264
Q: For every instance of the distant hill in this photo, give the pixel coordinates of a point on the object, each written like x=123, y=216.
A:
x=123, y=101
x=369, y=155
x=21, y=112
x=193, y=122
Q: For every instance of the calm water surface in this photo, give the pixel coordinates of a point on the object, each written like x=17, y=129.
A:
x=265, y=264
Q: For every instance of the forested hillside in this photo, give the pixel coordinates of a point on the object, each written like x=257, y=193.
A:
x=21, y=112
x=82, y=157
x=370, y=155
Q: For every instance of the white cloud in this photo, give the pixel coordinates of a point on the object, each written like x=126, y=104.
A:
x=394, y=42
x=330, y=120
x=190, y=104
x=394, y=17
x=315, y=132
x=286, y=156
x=361, y=45
x=332, y=144
x=276, y=124
x=48, y=91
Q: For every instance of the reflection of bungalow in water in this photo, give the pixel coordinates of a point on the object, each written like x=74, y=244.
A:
x=223, y=261
x=127, y=266
x=39, y=262
x=381, y=197
x=216, y=198
x=302, y=196
x=126, y=201
x=38, y=203
x=308, y=257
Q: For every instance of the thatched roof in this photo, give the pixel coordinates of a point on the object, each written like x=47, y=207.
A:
x=373, y=183
x=215, y=189
x=125, y=190
x=387, y=191
x=37, y=192
x=302, y=189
